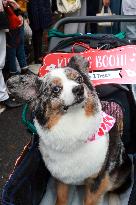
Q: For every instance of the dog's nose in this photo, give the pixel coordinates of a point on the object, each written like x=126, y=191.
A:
x=78, y=90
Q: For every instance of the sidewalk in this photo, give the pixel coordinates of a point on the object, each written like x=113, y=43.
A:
x=13, y=137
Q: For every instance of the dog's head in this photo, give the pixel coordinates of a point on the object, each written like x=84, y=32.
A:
x=59, y=93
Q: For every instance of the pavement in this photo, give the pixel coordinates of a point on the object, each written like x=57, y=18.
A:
x=13, y=137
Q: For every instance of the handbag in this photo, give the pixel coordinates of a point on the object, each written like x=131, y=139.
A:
x=4, y=23
x=68, y=6
x=102, y=13
x=14, y=21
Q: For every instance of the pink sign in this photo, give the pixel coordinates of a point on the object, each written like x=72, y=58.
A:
x=116, y=65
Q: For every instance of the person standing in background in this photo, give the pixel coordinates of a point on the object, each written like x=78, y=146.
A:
x=5, y=100
x=40, y=17
x=15, y=43
x=129, y=8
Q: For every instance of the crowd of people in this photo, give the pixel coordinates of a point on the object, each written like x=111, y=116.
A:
x=38, y=15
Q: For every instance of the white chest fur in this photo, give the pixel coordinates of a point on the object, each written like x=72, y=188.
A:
x=65, y=151
x=74, y=167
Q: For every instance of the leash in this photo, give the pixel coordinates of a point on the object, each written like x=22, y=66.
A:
x=30, y=126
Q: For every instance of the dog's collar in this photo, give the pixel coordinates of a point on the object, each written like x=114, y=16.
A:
x=105, y=126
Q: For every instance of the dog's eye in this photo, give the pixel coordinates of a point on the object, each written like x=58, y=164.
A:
x=79, y=79
x=56, y=89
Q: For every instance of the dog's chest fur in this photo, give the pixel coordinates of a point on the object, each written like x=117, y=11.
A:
x=65, y=151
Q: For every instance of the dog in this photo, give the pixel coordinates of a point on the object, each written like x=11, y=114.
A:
x=68, y=119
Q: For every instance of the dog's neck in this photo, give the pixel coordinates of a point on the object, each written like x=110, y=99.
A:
x=71, y=132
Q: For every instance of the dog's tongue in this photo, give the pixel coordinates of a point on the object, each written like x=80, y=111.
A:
x=106, y=125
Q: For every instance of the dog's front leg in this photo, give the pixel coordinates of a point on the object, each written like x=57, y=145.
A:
x=62, y=193
x=93, y=197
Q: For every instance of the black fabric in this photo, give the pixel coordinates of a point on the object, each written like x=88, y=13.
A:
x=95, y=41
x=27, y=184
x=132, y=104
x=39, y=13
x=122, y=98
x=4, y=23
x=37, y=44
x=54, y=5
x=92, y=10
x=132, y=199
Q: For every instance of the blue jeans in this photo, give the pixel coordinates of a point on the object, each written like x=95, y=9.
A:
x=15, y=49
x=115, y=6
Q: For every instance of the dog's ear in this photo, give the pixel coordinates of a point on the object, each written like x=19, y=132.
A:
x=79, y=63
x=24, y=87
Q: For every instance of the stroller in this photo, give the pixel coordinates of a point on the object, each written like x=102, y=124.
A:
x=28, y=182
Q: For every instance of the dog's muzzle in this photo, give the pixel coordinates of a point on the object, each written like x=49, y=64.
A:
x=78, y=92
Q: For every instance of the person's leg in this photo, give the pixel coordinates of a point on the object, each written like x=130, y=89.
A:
x=128, y=27
x=20, y=50
x=116, y=9
x=37, y=44
x=10, y=64
x=92, y=10
x=3, y=90
x=131, y=30
x=3, y=93
x=116, y=6
x=5, y=100
x=12, y=43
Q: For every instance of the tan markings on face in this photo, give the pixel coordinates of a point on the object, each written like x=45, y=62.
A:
x=53, y=113
x=89, y=106
x=71, y=74
x=53, y=120
x=57, y=81
x=92, y=198
x=56, y=104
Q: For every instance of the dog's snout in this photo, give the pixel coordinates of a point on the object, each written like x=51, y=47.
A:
x=78, y=90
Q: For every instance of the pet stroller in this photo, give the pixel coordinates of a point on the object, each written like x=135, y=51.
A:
x=28, y=182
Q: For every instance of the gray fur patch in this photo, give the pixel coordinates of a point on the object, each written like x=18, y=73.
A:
x=79, y=62
x=24, y=86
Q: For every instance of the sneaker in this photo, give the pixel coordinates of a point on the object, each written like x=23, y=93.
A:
x=24, y=70
x=2, y=107
x=11, y=103
x=13, y=74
